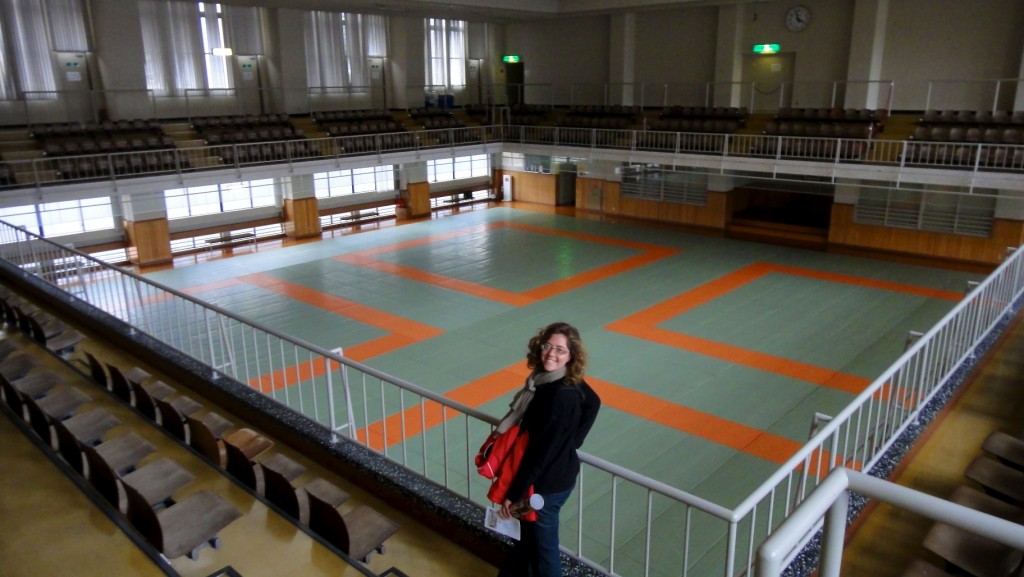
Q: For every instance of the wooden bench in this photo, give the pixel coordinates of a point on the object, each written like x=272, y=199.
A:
x=55, y=406
x=997, y=478
x=109, y=461
x=184, y=527
x=123, y=383
x=173, y=412
x=227, y=240
x=33, y=385
x=17, y=366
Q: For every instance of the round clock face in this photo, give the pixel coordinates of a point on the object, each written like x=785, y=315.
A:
x=798, y=18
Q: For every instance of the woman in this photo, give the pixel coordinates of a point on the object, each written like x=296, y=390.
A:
x=557, y=419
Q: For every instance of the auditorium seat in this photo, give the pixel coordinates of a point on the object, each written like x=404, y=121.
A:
x=58, y=404
x=157, y=481
x=997, y=479
x=243, y=447
x=1008, y=449
x=84, y=429
x=279, y=474
x=357, y=533
x=172, y=412
x=184, y=527
x=206, y=435
x=921, y=568
x=113, y=459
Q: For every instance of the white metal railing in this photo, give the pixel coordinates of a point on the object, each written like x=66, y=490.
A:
x=831, y=500
x=901, y=154
x=631, y=525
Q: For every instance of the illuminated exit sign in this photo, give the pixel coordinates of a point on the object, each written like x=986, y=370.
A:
x=510, y=58
x=766, y=48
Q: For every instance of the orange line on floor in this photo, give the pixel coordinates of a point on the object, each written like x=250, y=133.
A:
x=201, y=288
x=681, y=418
x=650, y=253
x=871, y=283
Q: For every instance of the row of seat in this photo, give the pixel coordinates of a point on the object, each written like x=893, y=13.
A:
x=814, y=140
x=718, y=125
x=604, y=122
x=993, y=147
x=120, y=164
x=705, y=112
x=872, y=116
x=351, y=115
x=968, y=118
x=246, y=455
x=104, y=145
x=240, y=121
x=998, y=472
x=214, y=137
x=81, y=432
x=247, y=153
x=440, y=122
x=600, y=110
x=107, y=128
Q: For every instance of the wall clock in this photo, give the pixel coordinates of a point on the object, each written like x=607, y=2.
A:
x=798, y=18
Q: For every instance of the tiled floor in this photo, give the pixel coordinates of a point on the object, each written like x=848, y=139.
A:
x=711, y=355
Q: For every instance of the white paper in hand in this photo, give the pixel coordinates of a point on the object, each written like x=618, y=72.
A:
x=508, y=527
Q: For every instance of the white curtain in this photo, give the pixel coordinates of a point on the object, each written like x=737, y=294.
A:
x=337, y=45
x=243, y=29
x=174, y=46
x=67, y=25
x=446, y=52
x=26, y=65
x=218, y=67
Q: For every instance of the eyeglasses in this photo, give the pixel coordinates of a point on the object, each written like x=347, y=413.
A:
x=558, y=350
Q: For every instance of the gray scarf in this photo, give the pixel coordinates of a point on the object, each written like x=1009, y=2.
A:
x=525, y=395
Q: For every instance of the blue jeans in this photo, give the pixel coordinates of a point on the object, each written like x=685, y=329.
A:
x=536, y=554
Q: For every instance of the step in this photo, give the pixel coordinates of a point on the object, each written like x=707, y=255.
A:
x=22, y=154
x=18, y=145
x=14, y=135
x=176, y=127
x=789, y=235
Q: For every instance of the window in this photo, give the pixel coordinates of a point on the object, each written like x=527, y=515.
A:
x=949, y=211
x=26, y=64
x=446, y=52
x=217, y=198
x=61, y=218
x=337, y=46
x=179, y=39
x=655, y=182
x=355, y=181
x=211, y=23
x=446, y=169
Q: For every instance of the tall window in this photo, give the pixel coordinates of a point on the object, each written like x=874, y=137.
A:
x=338, y=44
x=211, y=23
x=179, y=38
x=26, y=64
x=446, y=52
x=355, y=181
x=217, y=198
x=446, y=169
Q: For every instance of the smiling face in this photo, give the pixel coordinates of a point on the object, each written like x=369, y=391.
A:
x=555, y=352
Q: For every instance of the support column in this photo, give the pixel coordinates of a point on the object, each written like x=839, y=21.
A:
x=728, y=56
x=414, y=197
x=301, y=210
x=146, y=229
x=867, y=53
x=622, y=59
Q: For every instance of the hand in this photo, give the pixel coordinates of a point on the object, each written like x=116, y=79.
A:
x=503, y=511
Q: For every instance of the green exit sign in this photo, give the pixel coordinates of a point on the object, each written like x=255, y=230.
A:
x=510, y=58
x=766, y=48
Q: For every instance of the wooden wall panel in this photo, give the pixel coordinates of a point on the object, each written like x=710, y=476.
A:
x=534, y=187
x=301, y=217
x=844, y=232
x=714, y=215
x=149, y=241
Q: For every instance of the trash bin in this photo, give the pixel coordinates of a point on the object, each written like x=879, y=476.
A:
x=430, y=100
x=449, y=101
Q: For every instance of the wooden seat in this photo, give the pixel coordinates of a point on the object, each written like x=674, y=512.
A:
x=17, y=366
x=8, y=346
x=123, y=383
x=186, y=526
x=243, y=447
x=82, y=430
x=113, y=459
x=997, y=478
x=64, y=343
x=33, y=385
x=205, y=434
x=147, y=394
x=972, y=553
x=172, y=413
x=56, y=406
x=1008, y=449
x=96, y=370
x=357, y=533
x=156, y=482
x=921, y=568
x=279, y=474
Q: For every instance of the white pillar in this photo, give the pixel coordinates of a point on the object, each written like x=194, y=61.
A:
x=867, y=54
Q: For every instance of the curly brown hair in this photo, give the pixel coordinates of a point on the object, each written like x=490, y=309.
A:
x=578, y=359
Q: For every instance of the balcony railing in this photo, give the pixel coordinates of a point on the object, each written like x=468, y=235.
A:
x=631, y=525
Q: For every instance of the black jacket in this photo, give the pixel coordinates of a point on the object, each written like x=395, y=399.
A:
x=557, y=420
